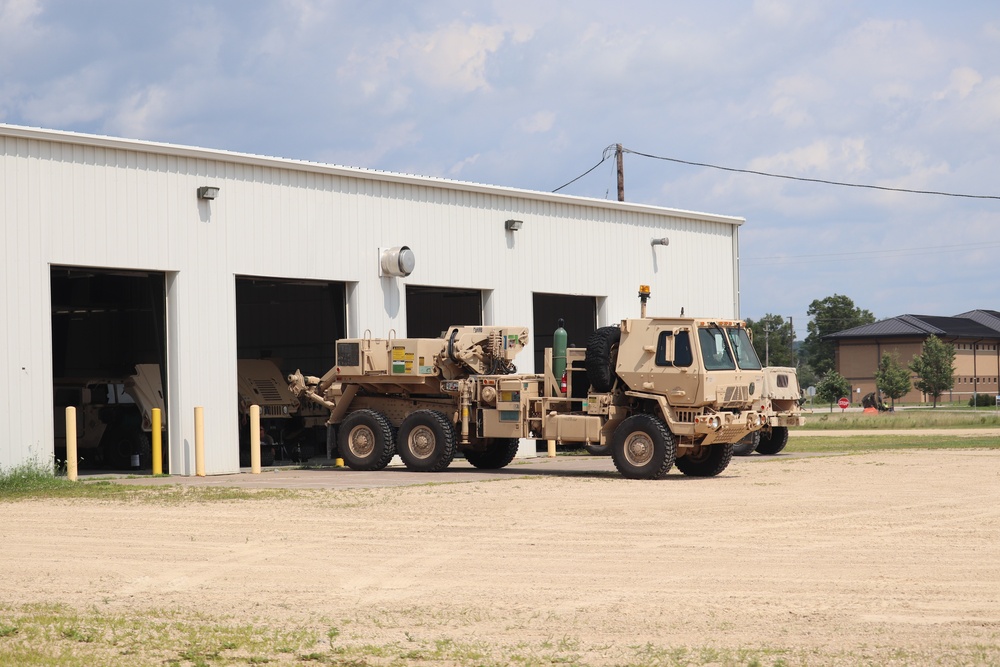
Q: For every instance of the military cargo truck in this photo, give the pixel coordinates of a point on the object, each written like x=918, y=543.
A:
x=660, y=391
x=113, y=417
x=781, y=405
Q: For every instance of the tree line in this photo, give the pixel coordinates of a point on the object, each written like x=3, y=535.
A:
x=932, y=371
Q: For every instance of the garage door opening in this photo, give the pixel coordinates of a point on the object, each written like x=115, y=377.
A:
x=431, y=310
x=283, y=326
x=108, y=353
x=578, y=312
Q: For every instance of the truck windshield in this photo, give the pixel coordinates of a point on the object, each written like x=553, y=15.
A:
x=714, y=351
x=746, y=356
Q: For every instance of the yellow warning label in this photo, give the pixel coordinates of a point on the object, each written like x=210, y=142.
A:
x=398, y=353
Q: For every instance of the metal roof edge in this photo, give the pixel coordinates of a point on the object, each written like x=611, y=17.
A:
x=919, y=322
x=140, y=145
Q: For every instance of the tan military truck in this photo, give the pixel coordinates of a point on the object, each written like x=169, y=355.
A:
x=113, y=418
x=780, y=403
x=662, y=391
x=290, y=430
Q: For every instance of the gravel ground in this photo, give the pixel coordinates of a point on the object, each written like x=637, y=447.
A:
x=890, y=557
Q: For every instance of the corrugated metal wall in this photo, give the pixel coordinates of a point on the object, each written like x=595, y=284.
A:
x=91, y=201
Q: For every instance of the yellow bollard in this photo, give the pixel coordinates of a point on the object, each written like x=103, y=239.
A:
x=552, y=449
x=157, y=442
x=199, y=442
x=71, y=443
x=254, y=439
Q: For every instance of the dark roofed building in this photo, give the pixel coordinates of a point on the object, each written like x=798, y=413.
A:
x=975, y=335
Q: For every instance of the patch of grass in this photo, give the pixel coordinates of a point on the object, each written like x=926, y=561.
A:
x=901, y=420
x=29, y=478
x=57, y=635
x=32, y=481
x=867, y=443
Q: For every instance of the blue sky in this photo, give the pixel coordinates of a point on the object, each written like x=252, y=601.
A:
x=529, y=94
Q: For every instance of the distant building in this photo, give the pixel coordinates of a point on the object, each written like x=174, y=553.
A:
x=975, y=335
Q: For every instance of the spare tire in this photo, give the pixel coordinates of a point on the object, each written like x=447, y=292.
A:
x=602, y=357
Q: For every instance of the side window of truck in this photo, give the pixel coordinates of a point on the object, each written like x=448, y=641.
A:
x=674, y=349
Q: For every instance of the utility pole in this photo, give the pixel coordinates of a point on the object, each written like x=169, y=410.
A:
x=767, y=347
x=791, y=326
x=621, y=172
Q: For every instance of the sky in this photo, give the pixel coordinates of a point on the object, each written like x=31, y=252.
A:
x=529, y=94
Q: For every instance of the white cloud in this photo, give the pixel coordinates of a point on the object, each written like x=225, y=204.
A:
x=823, y=157
x=793, y=98
x=142, y=114
x=68, y=101
x=16, y=15
x=454, y=56
x=527, y=94
x=539, y=122
x=18, y=32
x=963, y=80
x=450, y=58
x=389, y=139
x=457, y=169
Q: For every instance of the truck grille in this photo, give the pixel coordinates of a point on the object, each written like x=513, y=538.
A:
x=273, y=411
x=736, y=395
x=686, y=416
x=267, y=390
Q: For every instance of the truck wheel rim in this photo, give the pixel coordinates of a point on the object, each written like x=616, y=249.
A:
x=420, y=442
x=362, y=441
x=638, y=449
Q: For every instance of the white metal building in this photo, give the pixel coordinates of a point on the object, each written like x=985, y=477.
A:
x=75, y=206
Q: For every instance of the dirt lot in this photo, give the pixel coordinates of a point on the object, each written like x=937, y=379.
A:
x=882, y=558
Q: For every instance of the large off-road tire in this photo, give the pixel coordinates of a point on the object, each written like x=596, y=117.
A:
x=642, y=447
x=426, y=441
x=598, y=450
x=708, y=462
x=773, y=442
x=365, y=440
x=498, y=454
x=602, y=357
x=747, y=445
x=118, y=446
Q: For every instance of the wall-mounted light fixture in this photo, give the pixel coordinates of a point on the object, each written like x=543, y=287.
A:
x=513, y=225
x=663, y=241
x=398, y=261
x=208, y=192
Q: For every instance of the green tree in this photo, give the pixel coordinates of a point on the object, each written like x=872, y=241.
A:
x=830, y=315
x=832, y=387
x=772, y=339
x=892, y=378
x=934, y=367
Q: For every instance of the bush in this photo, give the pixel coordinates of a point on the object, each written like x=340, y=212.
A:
x=28, y=479
x=983, y=401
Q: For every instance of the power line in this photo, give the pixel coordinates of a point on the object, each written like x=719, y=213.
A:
x=811, y=180
x=608, y=152
x=604, y=158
